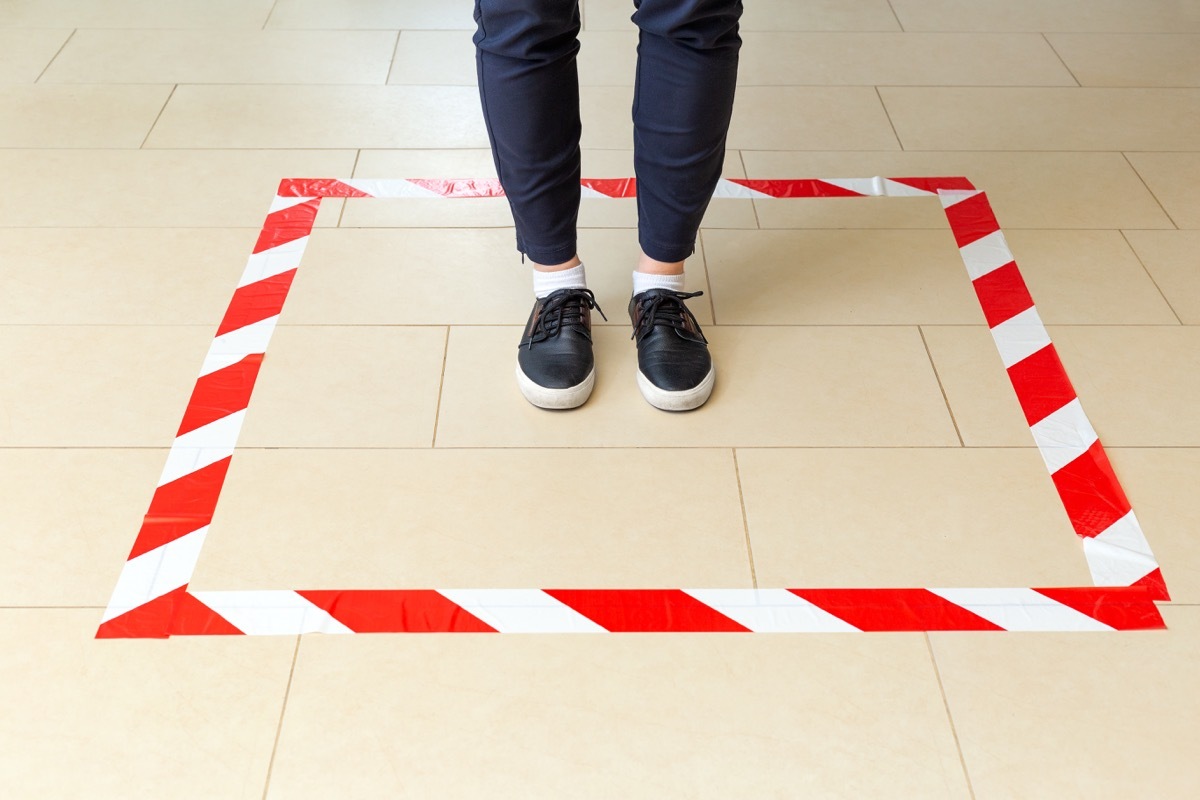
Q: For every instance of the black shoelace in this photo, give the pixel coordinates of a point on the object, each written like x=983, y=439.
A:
x=665, y=307
x=564, y=307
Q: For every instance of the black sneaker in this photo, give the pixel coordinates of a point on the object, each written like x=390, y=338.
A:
x=675, y=370
x=555, y=368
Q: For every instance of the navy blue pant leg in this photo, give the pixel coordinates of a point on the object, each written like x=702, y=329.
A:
x=529, y=87
x=683, y=102
x=683, y=99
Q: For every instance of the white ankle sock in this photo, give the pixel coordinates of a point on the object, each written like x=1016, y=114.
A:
x=644, y=281
x=545, y=283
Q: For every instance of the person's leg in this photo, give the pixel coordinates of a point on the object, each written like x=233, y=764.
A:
x=529, y=89
x=683, y=102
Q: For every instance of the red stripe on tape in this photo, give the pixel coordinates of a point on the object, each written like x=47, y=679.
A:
x=287, y=225
x=221, y=393
x=1041, y=384
x=1091, y=493
x=1002, y=294
x=1155, y=585
x=317, y=187
x=895, y=610
x=795, y=188
x=612, y=187
x=460, y=187
x=396, y=611
x=933, y=184
x=645, y=610
x=971, y=219
x=256, y=301
x=192, y=618
x=150, y=620
x=180, y=507
x=1120, y=608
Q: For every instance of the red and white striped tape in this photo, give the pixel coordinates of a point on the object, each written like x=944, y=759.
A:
x=151, y=598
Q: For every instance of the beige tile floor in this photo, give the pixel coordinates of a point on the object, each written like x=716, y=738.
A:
x=862, y=433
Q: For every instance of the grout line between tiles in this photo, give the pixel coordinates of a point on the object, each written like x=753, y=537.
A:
x=283, y=709
x=737, y=473
x=888, y=114
x=1061, y=60
x=949, y=716
x=1151, y=277
x=392, y=64
x=941, y=388
x=712, y=307
x=342, y=210
x=267, y=21
x=753, y=203
x=1128, y=161
x=52, y=608
x=158, y=116
x=892, y=8
x=437, y=412
x=57, y=53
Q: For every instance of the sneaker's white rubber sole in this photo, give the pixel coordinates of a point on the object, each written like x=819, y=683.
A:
x=684, y=400
x=544, y=397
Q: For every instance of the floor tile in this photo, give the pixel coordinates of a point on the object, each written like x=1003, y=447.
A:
x=495, y=212
x=120, y=276
x=1137, y=383
x=104, y=116
x=1027, y=190
x=208, y=56
x=365, y=14
x=71, y=516
x=392, y=519
x=899, y=59
x=165, y=189
x=1160, y=483
x=25, y=53
x=97, y=386
x=606, y=58
x=330, y=117
x=1130, y=59
x=1087, y=278
x=1151, y=16
x=185, y=718
x=451, y=277
x=768, y=15
x=225, y=14
x=333, y=386
x=1044, y=119
x=1170, y=257
x=1057, y=715
x=1175, y=180
x=683, y=716
x=909, y=518
x=845, y=118
x=838, y=278
x=784, y=386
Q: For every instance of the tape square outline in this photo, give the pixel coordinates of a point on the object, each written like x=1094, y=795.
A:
x=151, y=598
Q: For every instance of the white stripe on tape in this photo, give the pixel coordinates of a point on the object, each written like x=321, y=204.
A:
x=390, y=188
x=521, y=611
x=871, y=187
x=1120, y=555
x=280, y=203
x=156, y=572
x=1063, y=436
x=271, y=613
x=1021, y=610
x=727, y=189
x=1020, y=337
x=771, y=610
x=272, y=262
x=206, y=445
x=952, y=197
x=986, y=255
x=230, y=348
x=896, y=189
